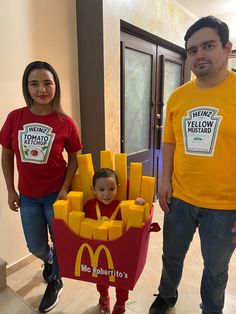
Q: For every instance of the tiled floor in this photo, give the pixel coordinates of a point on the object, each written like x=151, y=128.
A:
x=81, y=298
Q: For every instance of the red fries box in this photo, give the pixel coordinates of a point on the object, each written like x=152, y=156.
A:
x=116, y=263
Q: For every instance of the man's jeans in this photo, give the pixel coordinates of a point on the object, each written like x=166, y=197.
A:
x=214, y=228
x=36, y=216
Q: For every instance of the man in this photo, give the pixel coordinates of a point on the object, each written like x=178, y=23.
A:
x=198, y=186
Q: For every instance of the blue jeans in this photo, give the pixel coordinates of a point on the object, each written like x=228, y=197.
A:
x=36, y=215
x=214, y=227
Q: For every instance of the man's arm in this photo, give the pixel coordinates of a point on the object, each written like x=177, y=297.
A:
x=234, y=230
x=165, y=190
x=8, y=172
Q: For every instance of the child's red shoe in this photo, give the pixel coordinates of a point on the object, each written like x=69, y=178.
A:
x=104, y=305
x=118, y=309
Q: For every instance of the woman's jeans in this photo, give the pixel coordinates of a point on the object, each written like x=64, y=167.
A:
x=36, y=216
x=216, y=238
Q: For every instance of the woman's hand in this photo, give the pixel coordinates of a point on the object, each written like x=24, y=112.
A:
x=8, y=171
x=13, y=201
x=62, y=194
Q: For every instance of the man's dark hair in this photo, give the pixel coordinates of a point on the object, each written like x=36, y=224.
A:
x=212, y=22
x=104, y=173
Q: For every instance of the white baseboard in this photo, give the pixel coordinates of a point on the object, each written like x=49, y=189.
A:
x=3, y=265
x=12, y=268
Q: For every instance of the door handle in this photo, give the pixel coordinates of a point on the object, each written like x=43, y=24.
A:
x=158, y=127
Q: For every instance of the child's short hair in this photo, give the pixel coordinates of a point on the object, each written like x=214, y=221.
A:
x=104, y=173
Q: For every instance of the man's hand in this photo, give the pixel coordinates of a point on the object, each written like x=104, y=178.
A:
x=165, y=190
x=234, y=231
x=164, y=196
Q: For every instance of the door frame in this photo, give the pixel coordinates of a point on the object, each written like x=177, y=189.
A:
x=138, y=32
x=136, y=44
x=162, y=43
x=163, y=54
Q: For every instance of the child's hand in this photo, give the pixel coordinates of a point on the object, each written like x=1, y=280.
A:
x=139, y=201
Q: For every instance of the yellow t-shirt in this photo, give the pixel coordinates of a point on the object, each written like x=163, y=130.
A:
x=202, y=124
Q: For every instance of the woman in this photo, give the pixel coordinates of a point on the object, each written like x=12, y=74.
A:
x=37, y=135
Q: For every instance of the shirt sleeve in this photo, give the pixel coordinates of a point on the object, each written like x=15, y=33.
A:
x=169, y=135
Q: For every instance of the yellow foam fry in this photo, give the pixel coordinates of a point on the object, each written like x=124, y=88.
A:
x=146, y=212
x=115, y=230
x=100, y=232
x=75, y=219
x=86, y=171
x=106, y=159
x=135, y=217
x=86, y=228
x=76, y=184
x=121, y=170
x=147, y=189
x=61, y=209
x=135, y=180
x=124, y=209
x=75, y=200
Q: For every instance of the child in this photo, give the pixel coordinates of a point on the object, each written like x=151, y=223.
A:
x=105, y=187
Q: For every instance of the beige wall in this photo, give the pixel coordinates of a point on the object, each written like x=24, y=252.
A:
x=33, y=30
x=162, y=18
x=46, y=29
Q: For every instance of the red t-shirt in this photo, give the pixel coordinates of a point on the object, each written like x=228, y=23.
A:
x=106, y=210
x=38, y=142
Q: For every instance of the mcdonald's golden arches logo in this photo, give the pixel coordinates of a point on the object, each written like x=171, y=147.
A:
x=94, y=256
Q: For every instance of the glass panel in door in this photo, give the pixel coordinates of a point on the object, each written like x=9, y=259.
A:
x=138, y=71
x=172, y=80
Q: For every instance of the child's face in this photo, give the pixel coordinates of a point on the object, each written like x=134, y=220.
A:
x=106, y=189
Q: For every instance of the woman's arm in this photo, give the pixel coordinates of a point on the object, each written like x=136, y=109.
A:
x=70, y=172
x=8, y=172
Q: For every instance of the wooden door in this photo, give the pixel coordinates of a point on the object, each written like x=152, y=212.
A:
x=149, y=74
x=170, y=76
x=138, y=74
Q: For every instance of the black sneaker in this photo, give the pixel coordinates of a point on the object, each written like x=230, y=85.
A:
x=47, y=271
x=51, y=295
x=159, y=306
